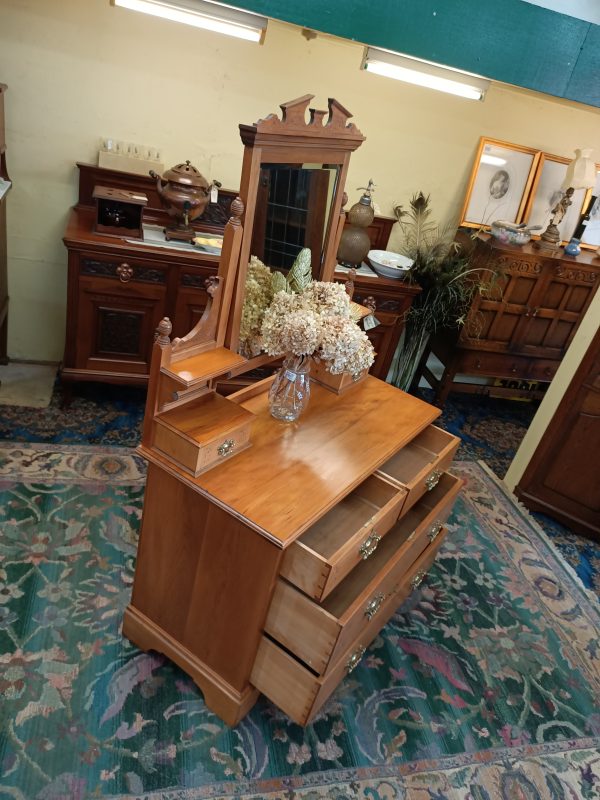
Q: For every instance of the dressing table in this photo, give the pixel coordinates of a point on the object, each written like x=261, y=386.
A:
x=5, y=186
x=272, y=553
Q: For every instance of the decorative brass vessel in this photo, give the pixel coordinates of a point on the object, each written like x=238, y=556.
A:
x=185, y=193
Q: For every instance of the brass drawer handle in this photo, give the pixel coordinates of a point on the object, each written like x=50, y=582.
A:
x=432, y=480
x=226, y=447
x=369, y=545
x=434, y=531
x=355, y=658
x=374, y=605
x=418, y=579
x=125, y=272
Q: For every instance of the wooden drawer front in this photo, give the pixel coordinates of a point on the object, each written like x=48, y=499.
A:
x=542, y=369
x=345, y=536
x=298, y=691
x=421, y=463
x=318, y=634
x=194, y=459
x=501, y=365
x=124, y=270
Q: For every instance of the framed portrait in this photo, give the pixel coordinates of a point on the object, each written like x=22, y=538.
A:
x=546, y=191
x=500, y=183
x=590, y=237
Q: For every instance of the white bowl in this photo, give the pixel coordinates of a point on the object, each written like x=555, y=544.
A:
x=388, y=264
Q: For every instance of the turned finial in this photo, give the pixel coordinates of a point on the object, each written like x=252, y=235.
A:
x=164, y=331
x=349, y=282
x=212, y=284
x=236, y=209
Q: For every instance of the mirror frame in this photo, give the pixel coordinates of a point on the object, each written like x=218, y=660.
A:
x=292, y=140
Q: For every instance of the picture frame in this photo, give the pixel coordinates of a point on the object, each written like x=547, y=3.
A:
x=590, y=238
x=500, y=183
x=546, y=192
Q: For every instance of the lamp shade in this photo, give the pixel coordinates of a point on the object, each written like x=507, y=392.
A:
x=581, y=172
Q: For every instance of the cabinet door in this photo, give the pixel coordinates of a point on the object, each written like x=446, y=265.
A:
x=119, y=306
x=565, y=293
x=496, y=321
x=562, y=478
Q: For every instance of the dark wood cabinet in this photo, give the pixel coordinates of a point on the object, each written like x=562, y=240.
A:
x=3, y=236
x=522, y=328
x=563, y=478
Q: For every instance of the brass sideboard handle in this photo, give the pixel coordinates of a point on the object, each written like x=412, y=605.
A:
x=432, y=480
x=418, y=579
x=355, y=658
x=369, y=545
x=125, y=272
x=374, y=605
x=226, y=447
x=434, y=531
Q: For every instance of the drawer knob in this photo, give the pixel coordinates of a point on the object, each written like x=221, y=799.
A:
x=355, y=658
x=434, y=531
x=226, y=447
x=374, y=605
x=418, y=579
x=432, y=480
x=513, y=368
x=125, y=273
x=369, y=546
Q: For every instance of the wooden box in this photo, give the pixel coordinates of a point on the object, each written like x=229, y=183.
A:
x=335, y=383
x=119, y=212
x=201, y=434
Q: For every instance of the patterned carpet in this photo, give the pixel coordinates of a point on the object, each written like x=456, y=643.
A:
x=484, y=686
x=490, y=430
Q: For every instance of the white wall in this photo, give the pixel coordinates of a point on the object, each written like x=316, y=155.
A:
x=78, y=70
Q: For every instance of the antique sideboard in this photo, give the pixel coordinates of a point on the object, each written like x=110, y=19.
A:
x=118, y=290
x=522, y=328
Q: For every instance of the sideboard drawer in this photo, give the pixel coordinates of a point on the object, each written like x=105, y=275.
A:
x=419, y=466
x=295, y=688
x=319, y=634
x=501, y=365
x=349, y=533
x=123, y=270
x=542, y=369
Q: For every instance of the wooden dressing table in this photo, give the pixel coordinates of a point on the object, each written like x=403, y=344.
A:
x=272, y=553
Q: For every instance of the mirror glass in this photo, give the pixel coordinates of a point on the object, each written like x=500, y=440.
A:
x=293, y=206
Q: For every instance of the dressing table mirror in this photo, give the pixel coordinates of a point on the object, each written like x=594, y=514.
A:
x=292, y=183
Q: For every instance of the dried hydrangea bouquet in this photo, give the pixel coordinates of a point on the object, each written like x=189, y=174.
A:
x=315, y=323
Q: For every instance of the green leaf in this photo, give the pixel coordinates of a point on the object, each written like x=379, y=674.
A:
x=278, y=283
x=300, y=274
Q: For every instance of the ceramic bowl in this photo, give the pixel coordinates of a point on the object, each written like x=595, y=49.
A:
x=509, y=235
x=388, y=264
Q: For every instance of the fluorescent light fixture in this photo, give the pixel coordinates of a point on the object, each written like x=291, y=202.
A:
x=424, y=73
x=203, y=14
x=495, y=161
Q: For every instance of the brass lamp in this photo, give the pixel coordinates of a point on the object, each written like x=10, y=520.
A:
x=581, y=174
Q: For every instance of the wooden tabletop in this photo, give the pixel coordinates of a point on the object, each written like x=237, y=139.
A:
x=295, y=472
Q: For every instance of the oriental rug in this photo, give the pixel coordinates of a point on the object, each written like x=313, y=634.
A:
x=485, y=685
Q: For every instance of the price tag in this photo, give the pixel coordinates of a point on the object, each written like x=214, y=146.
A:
x=214, y=194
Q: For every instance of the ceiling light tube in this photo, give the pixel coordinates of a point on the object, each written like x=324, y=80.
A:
x=424, y=73
x=203, y=14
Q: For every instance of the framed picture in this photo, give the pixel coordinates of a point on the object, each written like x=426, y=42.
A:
x=546, y=191
x=590, y=237
x=500, y=183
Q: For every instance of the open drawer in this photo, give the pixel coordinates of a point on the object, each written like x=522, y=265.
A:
x=421, y=463
x=319, y=633
x=346, y=535
x=295, y=688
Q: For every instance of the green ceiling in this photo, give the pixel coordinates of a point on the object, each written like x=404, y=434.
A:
x=506, y=40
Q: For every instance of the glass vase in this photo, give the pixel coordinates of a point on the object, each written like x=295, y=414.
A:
x=290, y=390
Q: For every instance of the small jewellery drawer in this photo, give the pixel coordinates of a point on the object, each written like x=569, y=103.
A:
x=319, y=633
x=295, y=688
x=421, y=463
x=345, y=536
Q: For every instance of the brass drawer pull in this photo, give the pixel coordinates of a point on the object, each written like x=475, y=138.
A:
x=369, y=546
x=355, y=658
x=374, y=605
x=125, y=272
x=226, y=447
x=434, y=531
x=418, y=579
x=432, y=480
